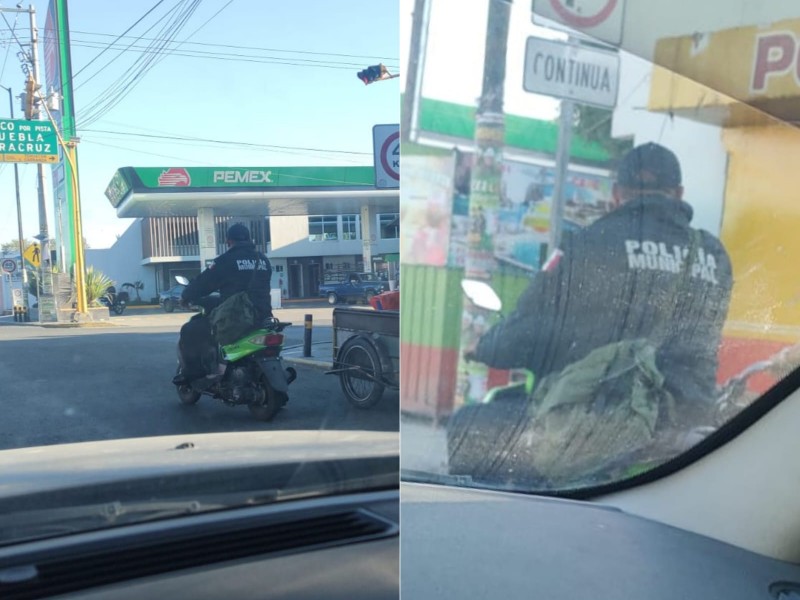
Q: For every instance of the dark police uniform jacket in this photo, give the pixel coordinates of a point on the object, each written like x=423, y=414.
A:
x=239, y=269
x=623, y=278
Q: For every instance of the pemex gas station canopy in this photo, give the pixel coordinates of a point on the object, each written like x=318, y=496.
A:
x=245, y=191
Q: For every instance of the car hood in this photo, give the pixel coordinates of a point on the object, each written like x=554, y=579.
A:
x=49, y=468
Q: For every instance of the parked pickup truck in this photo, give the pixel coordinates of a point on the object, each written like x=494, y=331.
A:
x=356, y=287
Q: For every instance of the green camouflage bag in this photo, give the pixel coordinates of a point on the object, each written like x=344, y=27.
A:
x=595, y=412
x=232, y=319
x=602, y=409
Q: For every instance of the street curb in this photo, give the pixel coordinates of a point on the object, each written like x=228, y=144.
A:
x=90, y=324
x=309, y=362
x=96, y=324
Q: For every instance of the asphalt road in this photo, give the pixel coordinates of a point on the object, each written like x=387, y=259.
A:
x=87, y=384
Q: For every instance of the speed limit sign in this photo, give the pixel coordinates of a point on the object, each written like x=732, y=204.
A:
x=9, y=265
x=602, y=19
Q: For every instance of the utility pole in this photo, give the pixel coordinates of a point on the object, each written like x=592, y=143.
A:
x=47, y=308
x=416, y=64
x=19, y=219
x=484, y=199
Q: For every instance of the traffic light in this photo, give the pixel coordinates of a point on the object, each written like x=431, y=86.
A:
x=372, y=74
x=29, y=99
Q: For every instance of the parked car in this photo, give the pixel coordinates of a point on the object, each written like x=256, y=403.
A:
x=171, y=298
x=356, y=287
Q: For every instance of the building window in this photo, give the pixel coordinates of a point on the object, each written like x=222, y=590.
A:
x=351, y=227
x=390, y=226
x=322, y=228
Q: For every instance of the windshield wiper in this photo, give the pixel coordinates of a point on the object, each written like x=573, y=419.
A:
x=27, y=525
x=414, y=476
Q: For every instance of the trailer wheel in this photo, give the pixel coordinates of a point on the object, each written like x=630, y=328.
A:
x=362, y=381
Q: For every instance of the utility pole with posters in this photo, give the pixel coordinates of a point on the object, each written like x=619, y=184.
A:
x=484, y=197
x=47, y=304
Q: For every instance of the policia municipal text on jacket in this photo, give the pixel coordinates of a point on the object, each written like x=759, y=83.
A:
x=625, y=277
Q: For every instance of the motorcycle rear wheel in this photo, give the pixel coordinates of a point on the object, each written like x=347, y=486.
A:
x=187, y=395
x=272, y=402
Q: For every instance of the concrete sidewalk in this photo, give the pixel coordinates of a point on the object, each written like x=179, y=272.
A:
x=321, y=355
x=423, y=447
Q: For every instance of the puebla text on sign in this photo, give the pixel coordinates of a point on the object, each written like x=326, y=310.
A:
x=27, y=141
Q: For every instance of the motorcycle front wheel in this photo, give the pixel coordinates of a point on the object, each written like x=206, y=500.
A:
x=271, y=401
x=186, y=394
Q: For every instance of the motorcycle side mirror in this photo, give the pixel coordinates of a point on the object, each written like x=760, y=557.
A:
x=481, y=295
x=181, y=279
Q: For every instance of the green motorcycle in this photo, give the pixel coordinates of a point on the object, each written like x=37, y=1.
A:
x=483, y=439
x=248, y=372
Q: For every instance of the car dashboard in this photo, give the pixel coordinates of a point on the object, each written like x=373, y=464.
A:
x=330, y=547
x=467, y=543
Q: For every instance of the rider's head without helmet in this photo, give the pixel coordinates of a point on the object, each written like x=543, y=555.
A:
x=238, y=234
x=649, y=169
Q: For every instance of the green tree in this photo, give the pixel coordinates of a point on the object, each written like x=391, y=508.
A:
x=136, y=286
x=594, y=125
x=13, y=245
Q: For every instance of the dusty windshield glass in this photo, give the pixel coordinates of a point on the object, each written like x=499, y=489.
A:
x=596, y=232
x=177, y=198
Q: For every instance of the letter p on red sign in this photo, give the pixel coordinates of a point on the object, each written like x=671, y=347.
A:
x=775, y=55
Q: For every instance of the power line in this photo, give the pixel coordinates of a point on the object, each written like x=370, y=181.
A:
x=257, y=48
x=337, y=160
x=206, y=22
x=136, y=72
x=116, y=39
x=225, y=142
x=99, y=44
x=16, y=39
x=238, y=57
x=120, y=51
x=95, y=142
x=8, y=50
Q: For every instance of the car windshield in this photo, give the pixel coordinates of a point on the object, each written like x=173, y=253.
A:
x=145, y=144
x=598, y=244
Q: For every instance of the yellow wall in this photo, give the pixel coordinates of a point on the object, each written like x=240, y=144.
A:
x=732, y=60
x=761, y=230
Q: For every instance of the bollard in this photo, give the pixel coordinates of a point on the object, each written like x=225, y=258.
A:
x=307, y=339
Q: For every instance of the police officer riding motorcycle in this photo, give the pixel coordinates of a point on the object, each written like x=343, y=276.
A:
x=247, y=369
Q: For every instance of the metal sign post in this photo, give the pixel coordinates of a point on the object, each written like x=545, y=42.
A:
x=574, y=73
x=562, y=165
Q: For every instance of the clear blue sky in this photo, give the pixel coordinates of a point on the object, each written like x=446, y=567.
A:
x=314, y=102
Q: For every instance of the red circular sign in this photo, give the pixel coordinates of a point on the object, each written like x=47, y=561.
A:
x=584, y=22
x=9, y=265
x=387, y=166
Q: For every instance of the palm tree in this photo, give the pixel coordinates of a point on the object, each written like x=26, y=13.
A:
x=137, y=286
x=97, y=285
